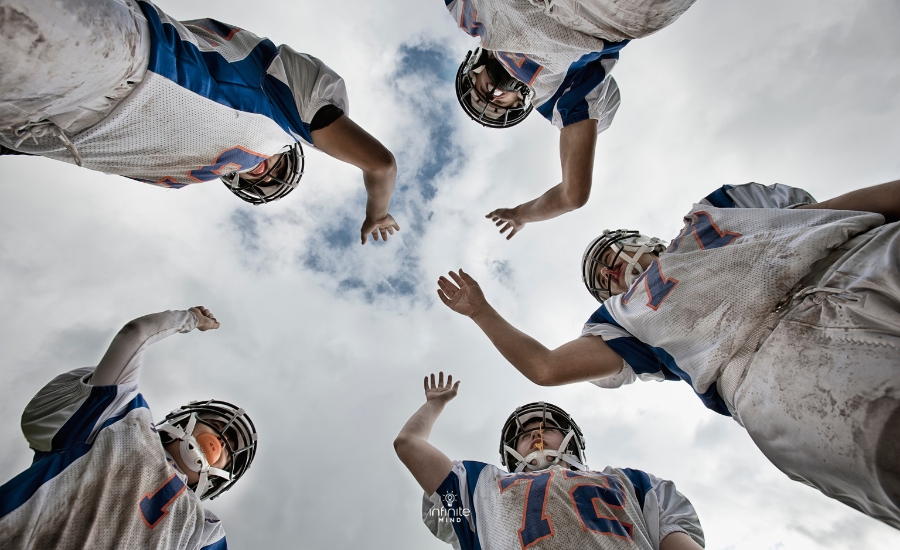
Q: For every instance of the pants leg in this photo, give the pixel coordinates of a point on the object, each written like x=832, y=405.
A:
x=67, y=57
x=616, y=20
x=821, y=397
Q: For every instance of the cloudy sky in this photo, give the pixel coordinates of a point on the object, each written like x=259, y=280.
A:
x=325, y=342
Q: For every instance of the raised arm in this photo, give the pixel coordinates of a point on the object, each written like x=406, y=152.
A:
x=580, y=360
x=344, y=140
x=576, y=152
x=425, y=462
x=122, y=361
x=882, y=199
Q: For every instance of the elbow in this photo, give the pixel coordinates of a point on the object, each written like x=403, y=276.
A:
x=382, y=165
x=576, y=198
x=400, y=445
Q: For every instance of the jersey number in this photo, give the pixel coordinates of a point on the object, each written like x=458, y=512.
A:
x=154, y=507
x=537, y=526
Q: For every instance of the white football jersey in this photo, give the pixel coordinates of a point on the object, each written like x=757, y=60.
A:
x=215, y=99
x=691, y=311
x=568, y=70
x=480, y=506
x=100, y=477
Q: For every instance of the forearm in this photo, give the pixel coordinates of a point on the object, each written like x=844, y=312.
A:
x=678, y=540
x=526, y=354
x=423, y=460
x=379, y=189
x=882, y=199
x=553, y=203
x=121, y=361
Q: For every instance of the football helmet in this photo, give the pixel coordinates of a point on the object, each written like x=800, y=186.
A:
x=237, y=436
x=480, y=108
x=625, y=243
x=280, y=179
x=571, y=450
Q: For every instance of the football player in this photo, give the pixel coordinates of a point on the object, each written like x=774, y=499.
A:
x=554, y=57
x=548, y=496
x=780, y=312
x=105, y=476
x=120, y=87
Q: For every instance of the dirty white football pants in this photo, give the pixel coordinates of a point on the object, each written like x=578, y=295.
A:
x=821, y=397
x=615, y=20
x=68, y=62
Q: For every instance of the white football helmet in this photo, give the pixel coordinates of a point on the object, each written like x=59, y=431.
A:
x=279, y=180
x=237, y=435
x=480, y=108
x=570, y=451
x=626, y=244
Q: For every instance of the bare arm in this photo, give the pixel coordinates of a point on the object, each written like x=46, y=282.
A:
x=580, y=360
x=678, y=541
x=346, y=141
x=425, y=462
x=882, y=199
x=576, y=152
x=122, y=360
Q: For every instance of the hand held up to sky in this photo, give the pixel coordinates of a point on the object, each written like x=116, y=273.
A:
x=385, y=226
x=509, y=217
x=440, y=393
x=464, y=297
x=205, y=319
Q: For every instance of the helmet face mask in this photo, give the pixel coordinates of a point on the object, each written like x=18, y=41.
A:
x=570, y=452
x=280, y=179
x=482, y=109
x=624, y=243
x=232, y=426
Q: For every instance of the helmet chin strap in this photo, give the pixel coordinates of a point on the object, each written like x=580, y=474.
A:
x=192, y=455
x=633, y=269
x=544, y=458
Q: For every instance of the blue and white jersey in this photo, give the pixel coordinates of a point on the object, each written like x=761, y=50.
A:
x=480, y=506
x=215, y=99
x=100, y=476
x=568, y=70
x=692, y=310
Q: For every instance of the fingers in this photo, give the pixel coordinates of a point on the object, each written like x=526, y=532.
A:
x=459, y=280
x=365, y=235
x=444, y=298
x=511, y=233
x=467, y=278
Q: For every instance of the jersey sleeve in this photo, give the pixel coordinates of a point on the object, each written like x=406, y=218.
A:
x=756, y=195
x=300, y=85
x=665, y=510
x=586, y=92
x=70, y=410
x=213, y=533
x=454, y=499
x=639, y=361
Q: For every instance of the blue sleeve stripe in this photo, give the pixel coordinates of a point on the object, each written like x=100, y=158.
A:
x=645, y=359
x=641, y=482
x=720, y=199
x=239, y=85
x=80, y=425
x=218, y=545
x=18, y=490
x=581, y=78
x=468, y=539
x=602, y=315
x=48, y=465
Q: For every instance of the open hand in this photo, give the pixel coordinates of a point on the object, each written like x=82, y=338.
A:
x=464, y=297
x=385, y=226
x=205, y=319
x=507, y=218
x=440, y=392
